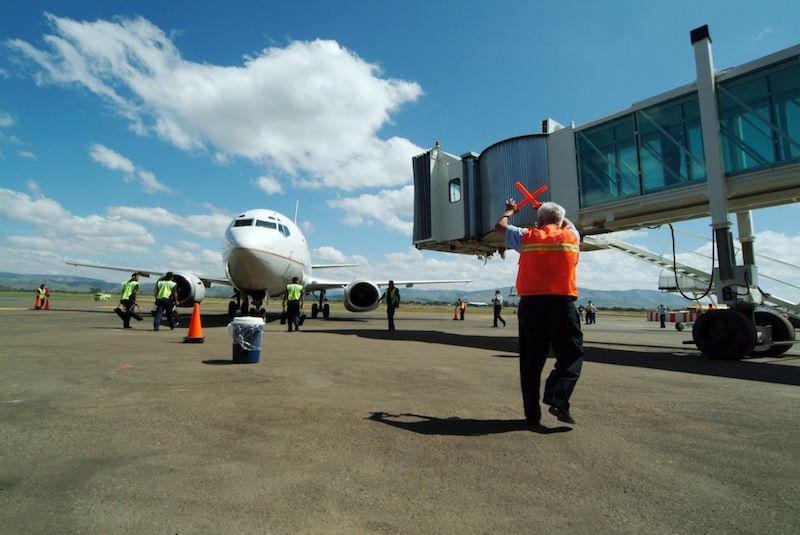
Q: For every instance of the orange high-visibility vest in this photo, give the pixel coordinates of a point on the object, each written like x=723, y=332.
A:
x=462, y=306
x=548, y=262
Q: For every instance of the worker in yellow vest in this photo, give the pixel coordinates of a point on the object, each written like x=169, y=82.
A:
x=392, y=296
x=127, y=299
x=293, y=302
x=40, y=297
x=546, y=283
x=166, y=299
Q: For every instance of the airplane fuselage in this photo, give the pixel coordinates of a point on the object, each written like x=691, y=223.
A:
x=263, y=251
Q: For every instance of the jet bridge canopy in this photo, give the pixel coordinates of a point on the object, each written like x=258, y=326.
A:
x=642, y=166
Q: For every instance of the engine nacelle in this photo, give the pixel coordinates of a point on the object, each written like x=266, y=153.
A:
x=361, y=296
x=190, y=289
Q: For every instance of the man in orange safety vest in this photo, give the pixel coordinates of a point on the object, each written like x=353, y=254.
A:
x=546, y=284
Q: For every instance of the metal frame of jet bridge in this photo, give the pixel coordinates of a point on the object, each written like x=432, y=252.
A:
x=729, y=142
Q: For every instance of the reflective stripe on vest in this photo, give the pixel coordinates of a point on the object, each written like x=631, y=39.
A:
x=293, y=292
x=548, y=262
x=165, y=288
x=128, y=287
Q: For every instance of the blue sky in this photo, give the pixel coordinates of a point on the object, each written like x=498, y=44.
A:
x=132, y=132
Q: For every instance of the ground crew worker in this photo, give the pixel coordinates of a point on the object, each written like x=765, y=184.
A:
x=662, y=315
x=462, y=306
x=546, y=283
x=127, y=299
x=166, y=299
x=392, y=296
x=497, y=303
x=40, y=297
x=293, y=302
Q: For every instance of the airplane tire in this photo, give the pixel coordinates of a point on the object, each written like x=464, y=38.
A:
x=314, y=311
x=232, y=308
x=782, y=331
x=326, y=311
x=724, y=334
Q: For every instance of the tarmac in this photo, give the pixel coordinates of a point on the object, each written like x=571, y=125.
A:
x=347, y=428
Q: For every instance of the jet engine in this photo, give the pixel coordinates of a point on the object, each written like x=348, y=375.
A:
x=361, y=296
x=190, y=289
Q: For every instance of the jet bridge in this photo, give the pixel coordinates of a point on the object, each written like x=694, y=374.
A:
x=727, y=143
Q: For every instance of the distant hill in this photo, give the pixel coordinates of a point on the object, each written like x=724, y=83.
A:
x=639, y=299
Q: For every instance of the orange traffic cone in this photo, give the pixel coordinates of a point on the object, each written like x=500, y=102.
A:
x=455, y=315
x=47, y=299
x=195, y=329
x=47, y=304
x=38, y=304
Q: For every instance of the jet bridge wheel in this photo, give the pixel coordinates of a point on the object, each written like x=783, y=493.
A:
x=782, y=331
x=724, y=334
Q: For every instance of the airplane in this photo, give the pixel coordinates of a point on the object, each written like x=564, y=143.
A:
x=477, y=304
x=263, y=251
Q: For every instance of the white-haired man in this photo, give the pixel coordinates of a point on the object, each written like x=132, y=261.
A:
x=546, y=283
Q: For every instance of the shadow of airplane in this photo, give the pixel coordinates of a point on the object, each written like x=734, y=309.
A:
x=694, y=362
x=430, y=425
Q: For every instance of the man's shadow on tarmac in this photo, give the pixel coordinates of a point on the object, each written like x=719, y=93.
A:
x=430, y=425
x=660, y=360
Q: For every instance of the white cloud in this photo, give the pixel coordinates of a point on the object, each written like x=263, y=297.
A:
x=5, y=119
x=211, y=225
x=765, y=30
x=311, y=110
x=34, y=187
x=307, y=227
x=332, y=254
x=26, y=154
x=269, y=185
x=392, y=209
x=62, y=232
x=117, y=162
x=110, y=159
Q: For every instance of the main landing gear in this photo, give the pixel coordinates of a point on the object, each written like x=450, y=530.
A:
x=731, y=335
x=240, y=304
x=324, y=308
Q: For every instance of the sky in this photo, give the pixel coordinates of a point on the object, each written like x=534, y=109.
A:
x=131, y=133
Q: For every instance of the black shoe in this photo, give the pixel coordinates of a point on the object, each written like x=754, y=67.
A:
x=126, y=326
x=562, y=415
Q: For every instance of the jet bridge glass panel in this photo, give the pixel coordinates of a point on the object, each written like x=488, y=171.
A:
x=671, y=144
x=760, y=117
x=608, y=162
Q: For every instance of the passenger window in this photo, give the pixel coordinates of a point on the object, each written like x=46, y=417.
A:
x=242, y=222
x=455, y=190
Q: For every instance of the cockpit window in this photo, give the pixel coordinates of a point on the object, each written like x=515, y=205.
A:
x=242, y=222
x=284, y=230
x=267, y=224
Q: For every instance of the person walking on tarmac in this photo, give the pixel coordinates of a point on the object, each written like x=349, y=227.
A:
x=546, y=283
x=497, y=302
x=392, y=296
x=166, y=299
x=293, y=302
x=130, y=289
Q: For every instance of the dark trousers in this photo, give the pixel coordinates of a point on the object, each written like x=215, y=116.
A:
x=293, y=314
x=497, y=316
x=390, y=315
x=164, y=306
x=126, y=317
x=663, y=318
x=546, y=320
x=461, y=310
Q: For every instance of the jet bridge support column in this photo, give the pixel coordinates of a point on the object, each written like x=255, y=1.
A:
x=728, y=333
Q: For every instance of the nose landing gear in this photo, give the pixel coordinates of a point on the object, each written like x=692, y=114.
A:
x=323, y=307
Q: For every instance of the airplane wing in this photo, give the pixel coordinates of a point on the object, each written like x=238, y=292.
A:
x=330, y=266
x=207, y=281
x=317, y=284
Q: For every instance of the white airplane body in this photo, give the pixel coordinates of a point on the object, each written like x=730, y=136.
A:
x=264, y=250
